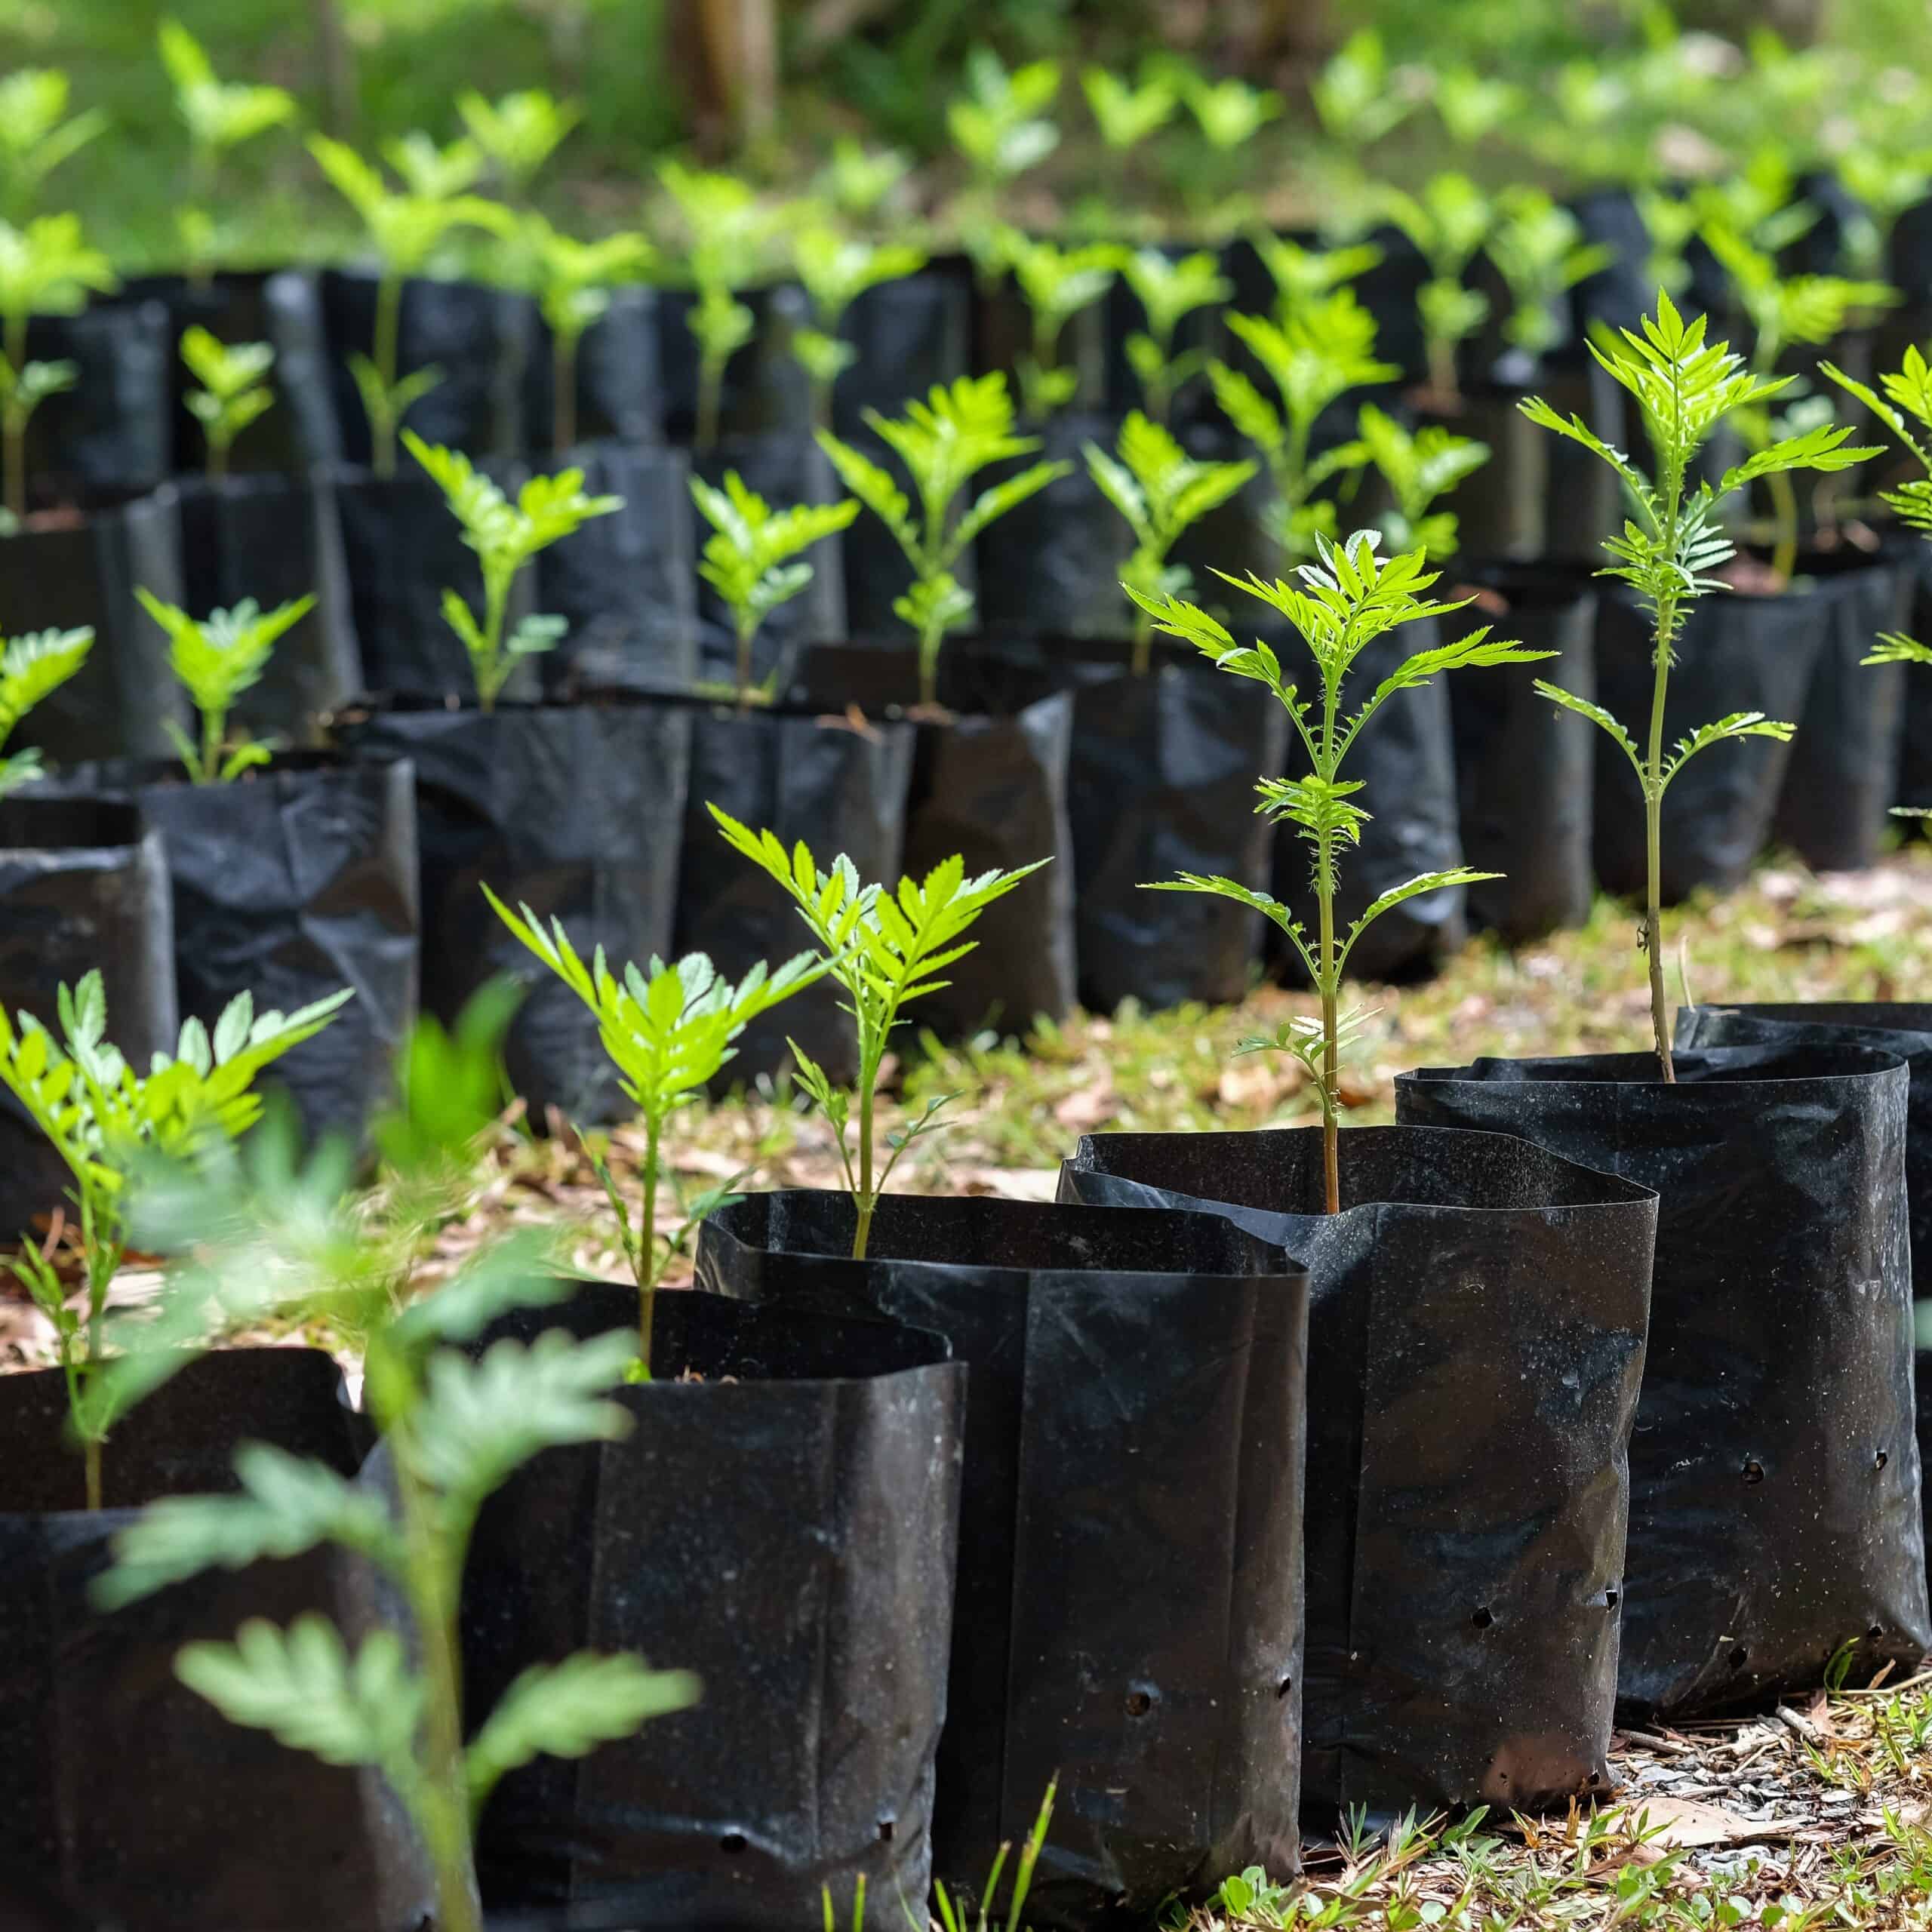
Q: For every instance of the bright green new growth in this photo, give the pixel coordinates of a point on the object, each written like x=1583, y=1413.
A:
x=669, y=1029
x=944, y=443
x=1000, y=127
x=1313, y=356
x=1684, y=389
x=234, y=389
x=101, y=1119
x=37, y=134
x=573, y=281
x=518, y=134
x=1671, y=224
x=405, y=229
x=1125, y=115
x=1355, y=95
x=858, y=180
x=1168, y=292
x=505, y=536
x=1303, y=276
x=1472, y=106
x=31, y=666
x=1351, y=598
x=1448, y=222
x=746, y=558
x=1055, y=283
x=885, y=948
x=217, y=658
x=46, y=269
x=836, y=270
x=218, y=115
x=1230, y=113
x=1418, y=465
x=1161, y=491
x=1538, y=248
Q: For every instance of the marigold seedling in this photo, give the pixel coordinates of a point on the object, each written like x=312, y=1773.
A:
x=573, y=281
x=1473, y=106
x=835, y=269
x=859, y=182
x=1169, y=291
x=31, y=667
x=234, y=390
x=1538, y=248
x=1447, y=222
x=1418, y=465
x=1356, y=95
x=518, y=134
x=1000, y=126
x=37, y=133
x=1055, y=283
x=1303, y=275
x=1125, y=115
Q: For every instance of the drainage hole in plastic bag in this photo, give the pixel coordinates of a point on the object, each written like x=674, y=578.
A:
x=1879, y=1461
x=1282, y=1689
x=1483, y=1617
x=1139, y=1703
x=1754, y=1470
x=1738, y=1658
x=1610, y=1599
x=733, y=1842
x=1877, y=1631
x=885, y=1831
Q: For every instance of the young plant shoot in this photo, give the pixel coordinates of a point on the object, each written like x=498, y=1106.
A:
x=668, y=1030
x=1161, y=491
x=1055, y=283
x=46, y=269
x=30, y=667
x=1304, y=276
x=1168, y=292
x=37, y=134
x=1685, y=388
x=1538, y=248
x=836, y=270
x=1229, y=115
x=573, y=281
x=944, y=443
x=1127, y=116
x=1000, y=127
x=234, y=389
x=747, y=559
x=217, y=659
x=885, y=948
x=1351, y=597
x=505, y=536
x=104, y=1120
x=405, y=228
x=1418, y=465
x=518, y=134
x=218, y=116
x=1448, y=222
x=862, y=184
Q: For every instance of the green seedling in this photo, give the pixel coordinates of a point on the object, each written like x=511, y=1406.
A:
x=104, y=1120
x=1169, y=291
x=217, y=658
x=573, y=281
x=31, y=667
x=859, y=182
x=952, y=1914
x=1418, y=466
x=1313, y=357
x=1473, y=106
x=46, y=269
x=505, y=535
x=1127, y=116
x=405, y=228
x=884, y=948
x=836, y=270
x=518, y=134
x=1883, y=187
x=1055, y=283
x=1357, y=96
x=669, y=1029
x=219, y=116
x=233, y=391
x=1000, y=127
x=1448, y=223
x=1161, y=491
x=1684, y=387
x=1671, y=223
x=1303, y=276
x=1759, y=203
x=747, y=558
x=1347, y=598
x=944, y=443
x=37, y=134
x=1229, y=115
x=1538, y=248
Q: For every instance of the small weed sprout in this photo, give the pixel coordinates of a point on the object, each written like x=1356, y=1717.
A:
x=836, y=270
x=37, y=134
x=1348, y=598
x=233, y=392
x=1684, y=387
x=31, y=667
x=1168, y=292
x=952, y=1913
x=747, y=558
x=573, y=281
x=944, y=443
x=1418, y=465
x=505, y=535
x=1161, y=491
x=885, y=948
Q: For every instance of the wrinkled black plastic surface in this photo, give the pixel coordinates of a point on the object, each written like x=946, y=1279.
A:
x=1129, y=1608
x=1774, y=1507
x=127, y=1795
x=293, y=882
x=1523, y=765
x=764, y=389
x=275, y=539
x=625, y=584
x=910, y=332
x=109, y=437
x=1476, y=1339
x=620, y=392
x=786, y=1527
x=575, y=810
x=83, y=573
x=1499, y=508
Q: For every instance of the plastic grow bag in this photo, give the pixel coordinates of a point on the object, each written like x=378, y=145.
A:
x=1499, y=508
x=620, y=393
x=128, y=1798
x=625, y=584
x=1476, y=1342
x=781, y=1519
x=294, y=881
x=764, y=389
x=1523, y=765
x=1129, y=1606
x=911, y=333
x=111, y=436
x=1774, y=1509
x=574, y=810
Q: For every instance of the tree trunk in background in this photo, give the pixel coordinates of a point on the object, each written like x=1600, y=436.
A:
x=340, y=107
x=728, y=51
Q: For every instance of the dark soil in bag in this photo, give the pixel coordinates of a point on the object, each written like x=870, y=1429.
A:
x=83, y=883
x=294, y=881
x=130, y=1798
x=911, y=333
x=1735, y=653
x=1774, y=1503
x=782, y=1520
x=619, y=390
x=60, y=576
x=764, y=390
x=275, y=539
x=111, y=436
x=1523, y=765
x=819, y=777
x=1476, y=1343
x=626, y=583
x=1129, y=1608
x=574, y=809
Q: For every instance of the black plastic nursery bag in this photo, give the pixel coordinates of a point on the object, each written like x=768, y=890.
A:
x=1129, y=1608
x=1475, y=1342
x=764, y=388
x=911, y=333
x=1774, y=1504
x=781, y=1519
x=128, y=1798
x=619, y=389
x=111, y=436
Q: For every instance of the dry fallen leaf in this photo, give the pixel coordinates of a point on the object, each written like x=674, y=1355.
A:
x=1676, y=1823
x=1086, y=1108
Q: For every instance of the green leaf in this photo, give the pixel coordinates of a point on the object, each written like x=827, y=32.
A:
x=1585, y=708
x=993, y=503
x=1436, y=881
x=1738, y=725
x=1894, y=648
